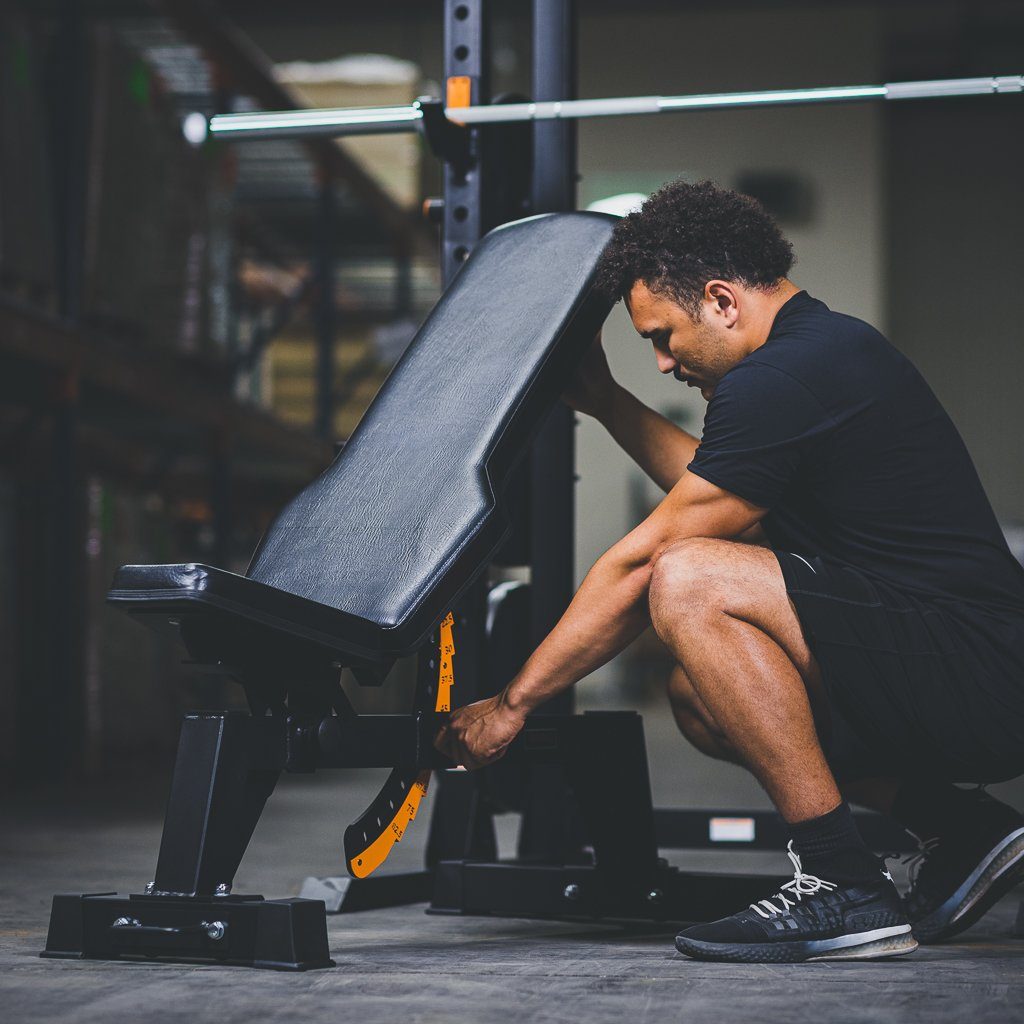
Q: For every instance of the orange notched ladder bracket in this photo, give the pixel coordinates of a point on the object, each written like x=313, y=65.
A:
x=446, y=668
x=377, y=852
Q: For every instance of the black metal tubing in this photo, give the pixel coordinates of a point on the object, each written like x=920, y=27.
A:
x=554, y=78
x=461, y=824
x=604, y=759
x=380, y=741
x=465, y=55
x=572, y=891
x=228, y=765
x=226, y=768
x=551, y=483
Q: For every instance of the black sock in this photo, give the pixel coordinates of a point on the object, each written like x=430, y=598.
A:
x=831, y=848
x=933, y=809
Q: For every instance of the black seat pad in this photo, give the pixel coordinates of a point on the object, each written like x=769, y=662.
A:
x=414, y=506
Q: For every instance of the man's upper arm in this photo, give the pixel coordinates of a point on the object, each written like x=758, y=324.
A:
x=755, y=435
x=695, y=507
x=757, y=431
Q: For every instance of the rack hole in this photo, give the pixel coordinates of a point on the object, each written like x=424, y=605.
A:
x=461, y=12
x=461, y=52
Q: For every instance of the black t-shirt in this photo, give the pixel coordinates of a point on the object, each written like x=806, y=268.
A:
x=835, y=432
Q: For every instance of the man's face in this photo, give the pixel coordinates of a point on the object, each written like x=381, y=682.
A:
x=697, y=352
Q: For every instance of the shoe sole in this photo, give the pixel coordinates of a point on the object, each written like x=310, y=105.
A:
x=993, y=878
x=872, y=945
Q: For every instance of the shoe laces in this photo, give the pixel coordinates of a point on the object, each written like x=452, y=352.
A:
x=799, y=886
x=915, y=861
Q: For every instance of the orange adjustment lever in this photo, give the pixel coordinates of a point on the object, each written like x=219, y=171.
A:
x=369, y=840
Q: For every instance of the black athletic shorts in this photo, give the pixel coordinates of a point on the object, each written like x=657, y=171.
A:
x=912, y=685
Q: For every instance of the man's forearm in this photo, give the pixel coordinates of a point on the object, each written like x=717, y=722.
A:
x=656, y=444
x=608, y=612
x=610, y=609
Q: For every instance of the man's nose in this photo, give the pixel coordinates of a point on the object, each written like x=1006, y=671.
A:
x=666, y=364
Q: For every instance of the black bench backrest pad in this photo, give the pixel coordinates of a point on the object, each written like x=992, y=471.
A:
x=411, y=509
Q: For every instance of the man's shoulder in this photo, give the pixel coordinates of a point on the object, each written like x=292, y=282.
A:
x=814, y=320
x=814, y=370
x=818, y=348
x=759, y=390
x=765, y=372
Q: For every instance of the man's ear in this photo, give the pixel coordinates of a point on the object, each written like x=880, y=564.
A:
x=725, y=299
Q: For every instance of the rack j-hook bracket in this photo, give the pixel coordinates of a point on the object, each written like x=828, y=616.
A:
x=448, y=140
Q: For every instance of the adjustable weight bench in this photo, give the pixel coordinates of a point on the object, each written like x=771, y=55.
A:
x=365, y=566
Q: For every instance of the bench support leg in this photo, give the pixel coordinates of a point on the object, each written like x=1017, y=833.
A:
x=227, y=767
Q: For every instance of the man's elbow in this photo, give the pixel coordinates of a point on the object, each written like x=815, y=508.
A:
x=640, y=553
x=645, y=558
x=634, y=556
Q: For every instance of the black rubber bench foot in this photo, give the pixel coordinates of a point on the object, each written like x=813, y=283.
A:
x=249, y=931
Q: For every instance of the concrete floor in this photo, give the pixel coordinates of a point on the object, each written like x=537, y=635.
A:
x=401, y=965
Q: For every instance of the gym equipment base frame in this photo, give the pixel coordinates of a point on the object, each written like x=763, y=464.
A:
x=227, y=767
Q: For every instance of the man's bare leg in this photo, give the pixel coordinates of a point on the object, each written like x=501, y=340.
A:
x=694, y=720
x=722, y=610
x=697, y=724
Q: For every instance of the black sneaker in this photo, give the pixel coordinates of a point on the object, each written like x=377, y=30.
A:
x=809, y=918
x=955, y=879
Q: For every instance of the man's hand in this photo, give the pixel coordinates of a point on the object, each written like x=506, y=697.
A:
x=480, y=733
x=591, y=390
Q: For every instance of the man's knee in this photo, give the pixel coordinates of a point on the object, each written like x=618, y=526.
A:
x=688, y=581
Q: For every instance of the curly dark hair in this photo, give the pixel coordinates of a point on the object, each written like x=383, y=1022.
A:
x=685, y=235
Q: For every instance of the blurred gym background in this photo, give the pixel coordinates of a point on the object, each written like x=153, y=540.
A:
x=188, y=328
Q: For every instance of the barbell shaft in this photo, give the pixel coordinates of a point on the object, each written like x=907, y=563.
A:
x=386, y=120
